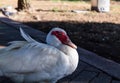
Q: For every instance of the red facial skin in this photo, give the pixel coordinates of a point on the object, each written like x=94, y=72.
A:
x=63, y=38
x=60, y=35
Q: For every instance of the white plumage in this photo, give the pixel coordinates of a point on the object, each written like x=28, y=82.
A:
x=30, y=61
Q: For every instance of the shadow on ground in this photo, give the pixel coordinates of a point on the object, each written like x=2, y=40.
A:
x=8, y=33
x=101, y=38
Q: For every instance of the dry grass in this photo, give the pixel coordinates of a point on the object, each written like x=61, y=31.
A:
x=60, y=11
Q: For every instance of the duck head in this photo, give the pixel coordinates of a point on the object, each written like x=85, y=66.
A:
x=58, y=36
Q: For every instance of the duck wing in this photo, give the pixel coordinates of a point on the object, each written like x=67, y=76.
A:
x=31, y=57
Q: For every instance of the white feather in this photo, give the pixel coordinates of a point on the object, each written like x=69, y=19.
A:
x=28, y=61
x=26, y=36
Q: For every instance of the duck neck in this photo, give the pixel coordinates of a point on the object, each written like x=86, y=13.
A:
x=72, y=56
x=65, y=49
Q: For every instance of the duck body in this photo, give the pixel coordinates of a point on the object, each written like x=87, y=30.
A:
x=30, y=61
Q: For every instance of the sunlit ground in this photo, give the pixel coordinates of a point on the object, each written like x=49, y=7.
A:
x=61, y=11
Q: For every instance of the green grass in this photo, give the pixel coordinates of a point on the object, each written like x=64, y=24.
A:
x=55, y=9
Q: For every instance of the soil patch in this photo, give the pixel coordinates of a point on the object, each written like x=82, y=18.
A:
x=101, y=38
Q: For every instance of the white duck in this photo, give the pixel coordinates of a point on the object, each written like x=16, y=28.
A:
x=30, y=61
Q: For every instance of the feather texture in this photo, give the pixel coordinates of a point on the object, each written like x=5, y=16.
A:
x=26, y=36
x=31, y=61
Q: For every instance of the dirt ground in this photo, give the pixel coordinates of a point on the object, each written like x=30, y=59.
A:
x=97, y=32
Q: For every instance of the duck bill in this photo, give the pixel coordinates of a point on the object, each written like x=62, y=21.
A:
x=69, y=43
